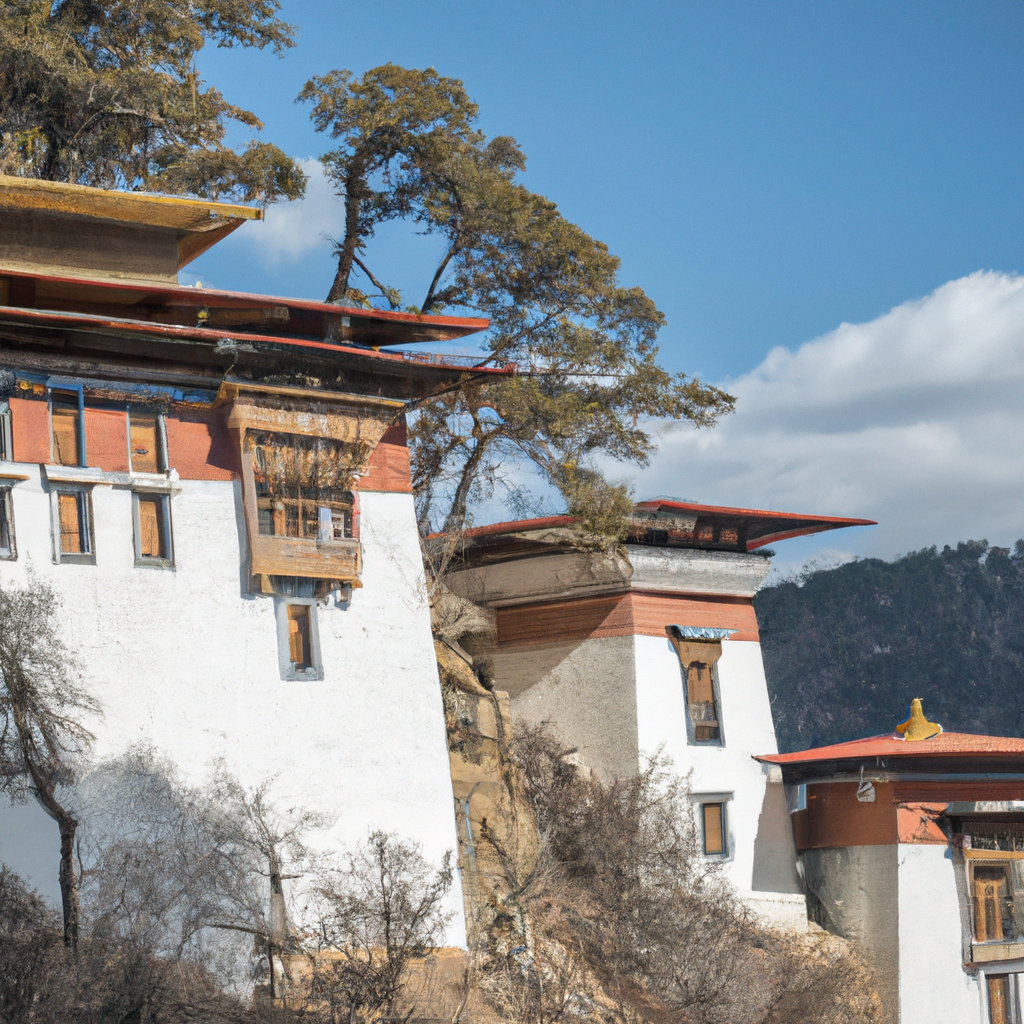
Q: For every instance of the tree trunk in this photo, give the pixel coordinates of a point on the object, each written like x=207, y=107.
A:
x=456, y=518
x=347, y=250
x=66, y=823
x=68, y=883
x=429, y=300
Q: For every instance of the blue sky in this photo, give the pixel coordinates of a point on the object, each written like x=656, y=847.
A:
x=766, y=172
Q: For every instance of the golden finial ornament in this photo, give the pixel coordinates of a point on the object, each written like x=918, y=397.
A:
x=917, y=727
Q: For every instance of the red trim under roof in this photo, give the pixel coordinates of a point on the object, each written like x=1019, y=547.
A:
x=91, y=323
x=945, y=744
x=452, y=326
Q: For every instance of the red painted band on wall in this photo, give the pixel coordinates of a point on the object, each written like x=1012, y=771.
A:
x=626, y=614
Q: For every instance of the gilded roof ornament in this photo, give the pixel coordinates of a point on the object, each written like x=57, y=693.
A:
x=917, y=727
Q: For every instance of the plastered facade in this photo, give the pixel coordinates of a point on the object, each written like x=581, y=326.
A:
x=582, y=644
x=933, y=985
x=186, y=660
x=761, y=852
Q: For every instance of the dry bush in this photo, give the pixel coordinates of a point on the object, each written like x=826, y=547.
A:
x=628, y=923
x=106, y=981
x=378, y=914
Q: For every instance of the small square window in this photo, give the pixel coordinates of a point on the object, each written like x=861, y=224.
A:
x=7, y=548
x=146, y=446
x=152, y=514
x=73, y=526
x=66, y=422
x=713, y=828
x=298, y=639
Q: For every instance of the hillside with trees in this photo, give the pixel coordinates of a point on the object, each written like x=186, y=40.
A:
x=847, y=648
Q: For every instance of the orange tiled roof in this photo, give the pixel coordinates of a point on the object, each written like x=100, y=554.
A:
x=944, y=744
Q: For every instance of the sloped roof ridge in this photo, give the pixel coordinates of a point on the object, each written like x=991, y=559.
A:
x=894, y=745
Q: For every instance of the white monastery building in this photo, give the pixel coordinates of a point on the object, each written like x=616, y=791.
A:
x=217, y=487
x=652, y=648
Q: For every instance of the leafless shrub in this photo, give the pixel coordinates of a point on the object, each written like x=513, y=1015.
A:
x=262, y=848
x=628, y=923
x=103, y=981
x=384, y=909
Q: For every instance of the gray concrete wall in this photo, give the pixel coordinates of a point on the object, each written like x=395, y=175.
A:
x=586, y=690
x=774, y=851
x=853, y=892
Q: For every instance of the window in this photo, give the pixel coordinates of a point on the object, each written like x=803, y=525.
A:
x=1003, y=998
x=6, y=445
x=992, y=901
x=146, y=441
x=302, y=488
x=67, y=422
x=152, y=514
x=299, y=648
x=73, y=519
x=713, y=828
x=298, y=639
x=701, y=702
x=7, y=548
x=699, y=649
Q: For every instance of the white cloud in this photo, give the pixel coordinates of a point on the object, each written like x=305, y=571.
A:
x=915, y=419
x=291, y=231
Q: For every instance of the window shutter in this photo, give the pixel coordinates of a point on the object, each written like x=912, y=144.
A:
x=699, y=683
x=150, y=529
x=70, y=523
x=713, y=838
x=64, y=417
x=144, y=443
x=298, y=636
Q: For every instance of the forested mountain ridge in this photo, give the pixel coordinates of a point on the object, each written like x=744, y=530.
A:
x=847, y=648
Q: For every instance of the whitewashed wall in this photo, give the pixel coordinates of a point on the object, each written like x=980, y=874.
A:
x=933, y=984
x=184, y=660
x=728, y=769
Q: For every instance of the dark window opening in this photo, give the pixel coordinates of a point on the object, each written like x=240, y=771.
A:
x=7, y=549
x=300, y=649
x=302, y=488
x=713, y=824
x=6, y=447
x=1006, y=837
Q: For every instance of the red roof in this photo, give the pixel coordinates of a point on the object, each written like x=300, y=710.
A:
x=944, y=744
x=408, y=327
x=92, y=323
x=520, y=525
x=761, y=526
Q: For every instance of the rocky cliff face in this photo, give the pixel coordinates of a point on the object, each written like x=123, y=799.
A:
x=496, y=827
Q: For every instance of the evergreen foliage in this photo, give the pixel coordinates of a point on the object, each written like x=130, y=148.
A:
x=584, y=343
x=109, y=95
x=846, y=649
